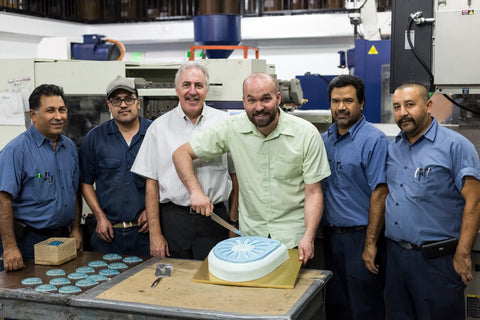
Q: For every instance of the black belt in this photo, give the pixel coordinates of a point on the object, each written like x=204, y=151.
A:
x=171, y=204
x=346, y=229
x=432, y=249
x=186, y=208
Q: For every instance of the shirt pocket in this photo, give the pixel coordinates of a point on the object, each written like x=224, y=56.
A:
x=110, y=170
x=44, y=190
x=429, y=180
x=287, y=167
x=437, y=175
x=416, y=189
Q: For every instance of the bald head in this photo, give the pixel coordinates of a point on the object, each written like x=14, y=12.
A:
x=263, y=77
x=421, y=89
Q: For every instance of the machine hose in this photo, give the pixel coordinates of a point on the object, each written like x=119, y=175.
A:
x=120, y=46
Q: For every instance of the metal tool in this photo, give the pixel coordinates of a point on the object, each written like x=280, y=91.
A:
x=225, y=224
x=163, y=270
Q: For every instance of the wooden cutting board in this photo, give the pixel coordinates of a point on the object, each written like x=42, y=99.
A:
x=284, y=277
x=180, y=291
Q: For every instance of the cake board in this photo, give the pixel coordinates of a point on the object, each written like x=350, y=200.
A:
x=284, y=277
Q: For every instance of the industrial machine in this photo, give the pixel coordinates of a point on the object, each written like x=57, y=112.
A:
x=431, y=45
x=98, y=47
x=369, y=60
x=84, y=82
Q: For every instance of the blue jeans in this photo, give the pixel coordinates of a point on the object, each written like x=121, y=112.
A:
x=126, y=241
x=353, y=292
x=420, y=288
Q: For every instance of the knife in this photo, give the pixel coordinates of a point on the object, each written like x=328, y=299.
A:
x=225, y=224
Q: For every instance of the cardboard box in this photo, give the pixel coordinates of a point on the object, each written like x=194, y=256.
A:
x=55, y=251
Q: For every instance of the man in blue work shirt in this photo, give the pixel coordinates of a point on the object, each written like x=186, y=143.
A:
x=106, y=157
x=433, y=177
x=39, y=175
x=354, y=206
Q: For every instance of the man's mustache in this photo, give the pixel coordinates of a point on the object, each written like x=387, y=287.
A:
x=406, y=119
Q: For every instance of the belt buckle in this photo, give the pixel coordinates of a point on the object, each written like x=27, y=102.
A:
x=127, y=224
x=406, y=245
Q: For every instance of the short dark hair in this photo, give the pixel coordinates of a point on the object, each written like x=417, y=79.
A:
x=44, y=90
x=423, y=90
x=348, y=80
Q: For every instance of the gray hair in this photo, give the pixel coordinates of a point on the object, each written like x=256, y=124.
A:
x=190, y=65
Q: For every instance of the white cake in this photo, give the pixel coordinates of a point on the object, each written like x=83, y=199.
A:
x=246, y=258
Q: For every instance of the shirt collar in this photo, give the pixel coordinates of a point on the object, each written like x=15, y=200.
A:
x=429, y=134
x=143, y=126
x=113, y=127
x=351, y=132
x=41, y=139
x=181, y=114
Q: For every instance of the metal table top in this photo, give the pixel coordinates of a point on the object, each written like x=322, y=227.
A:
x=23, y=302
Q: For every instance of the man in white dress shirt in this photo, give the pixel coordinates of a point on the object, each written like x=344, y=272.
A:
x=175, y=230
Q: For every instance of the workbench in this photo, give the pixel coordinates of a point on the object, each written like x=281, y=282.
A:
x=129, y=295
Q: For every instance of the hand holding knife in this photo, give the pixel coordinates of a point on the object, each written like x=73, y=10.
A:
x=221, y=222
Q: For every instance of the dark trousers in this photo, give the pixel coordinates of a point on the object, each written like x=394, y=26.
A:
x=126, y=241
x=191, y=236
x=420, y=288
x=353, y=292
x=28, y=237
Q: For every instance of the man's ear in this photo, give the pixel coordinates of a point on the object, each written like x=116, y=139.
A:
x=33, y=115
x=429, y=105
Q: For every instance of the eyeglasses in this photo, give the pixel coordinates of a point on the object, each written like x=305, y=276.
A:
x=117, y=102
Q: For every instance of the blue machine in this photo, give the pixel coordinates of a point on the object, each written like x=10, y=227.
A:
x=315, y=90
x=94, y=47
x=367, y=58
x=347, y=60
x=217, y=29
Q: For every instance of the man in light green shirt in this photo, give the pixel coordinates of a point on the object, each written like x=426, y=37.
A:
x=280, y=160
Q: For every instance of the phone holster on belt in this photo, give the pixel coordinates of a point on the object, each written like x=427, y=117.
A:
x=19, y=228
x=439, y=248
